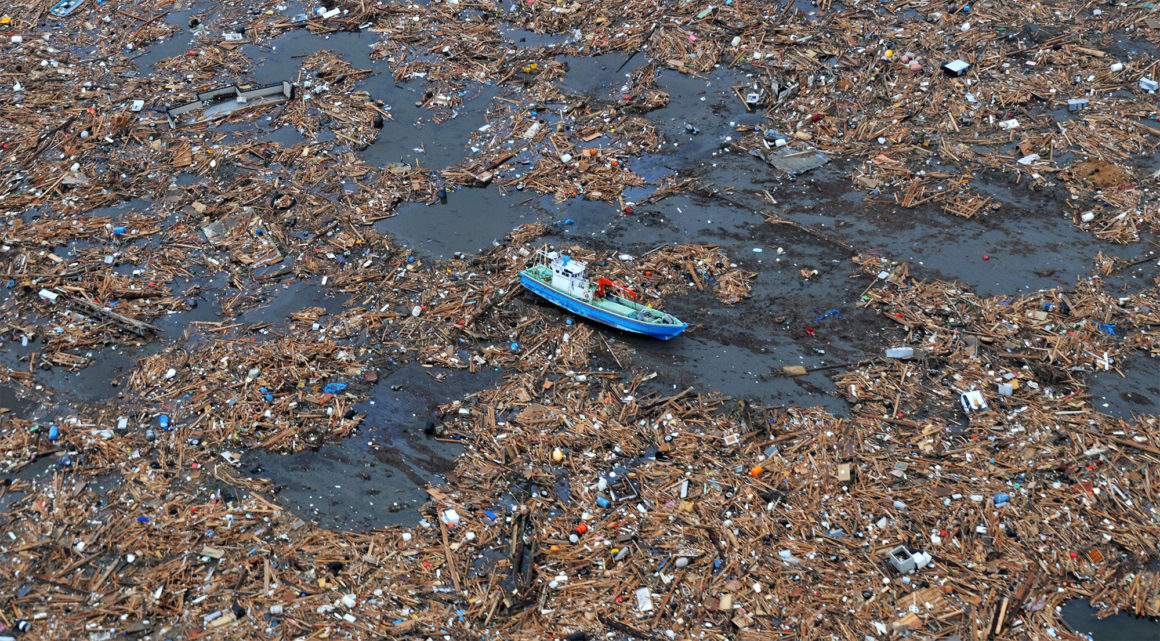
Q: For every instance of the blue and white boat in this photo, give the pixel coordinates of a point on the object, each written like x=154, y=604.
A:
x=65, y=7
x=564, y=282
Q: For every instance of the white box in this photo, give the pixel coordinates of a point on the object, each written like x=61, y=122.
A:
x=973, y=401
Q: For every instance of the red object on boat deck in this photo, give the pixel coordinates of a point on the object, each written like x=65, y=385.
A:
x=600, y=285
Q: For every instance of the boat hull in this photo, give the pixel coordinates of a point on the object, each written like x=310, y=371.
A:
x=591, y=312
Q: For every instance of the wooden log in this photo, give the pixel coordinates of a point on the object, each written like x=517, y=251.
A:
x=138, y=327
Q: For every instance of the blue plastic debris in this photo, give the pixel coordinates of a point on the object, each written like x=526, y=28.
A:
x=118, y=230
x=333, y=388
x=142, y=519
x=1107, y=328
x=53, y=432
x=603, y=502
x=515, y=346
x=491, y=515
x=163, y=421
x=832, y=312
x=1001, y=499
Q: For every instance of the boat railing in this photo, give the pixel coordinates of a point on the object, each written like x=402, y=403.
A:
x=543, y=257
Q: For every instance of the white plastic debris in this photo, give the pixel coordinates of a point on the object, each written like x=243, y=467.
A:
x=956, y=67
x=644, y=600
x=921, y=560
x=973, y=401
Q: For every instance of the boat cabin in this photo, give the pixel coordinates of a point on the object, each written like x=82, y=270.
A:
x=570, y=276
